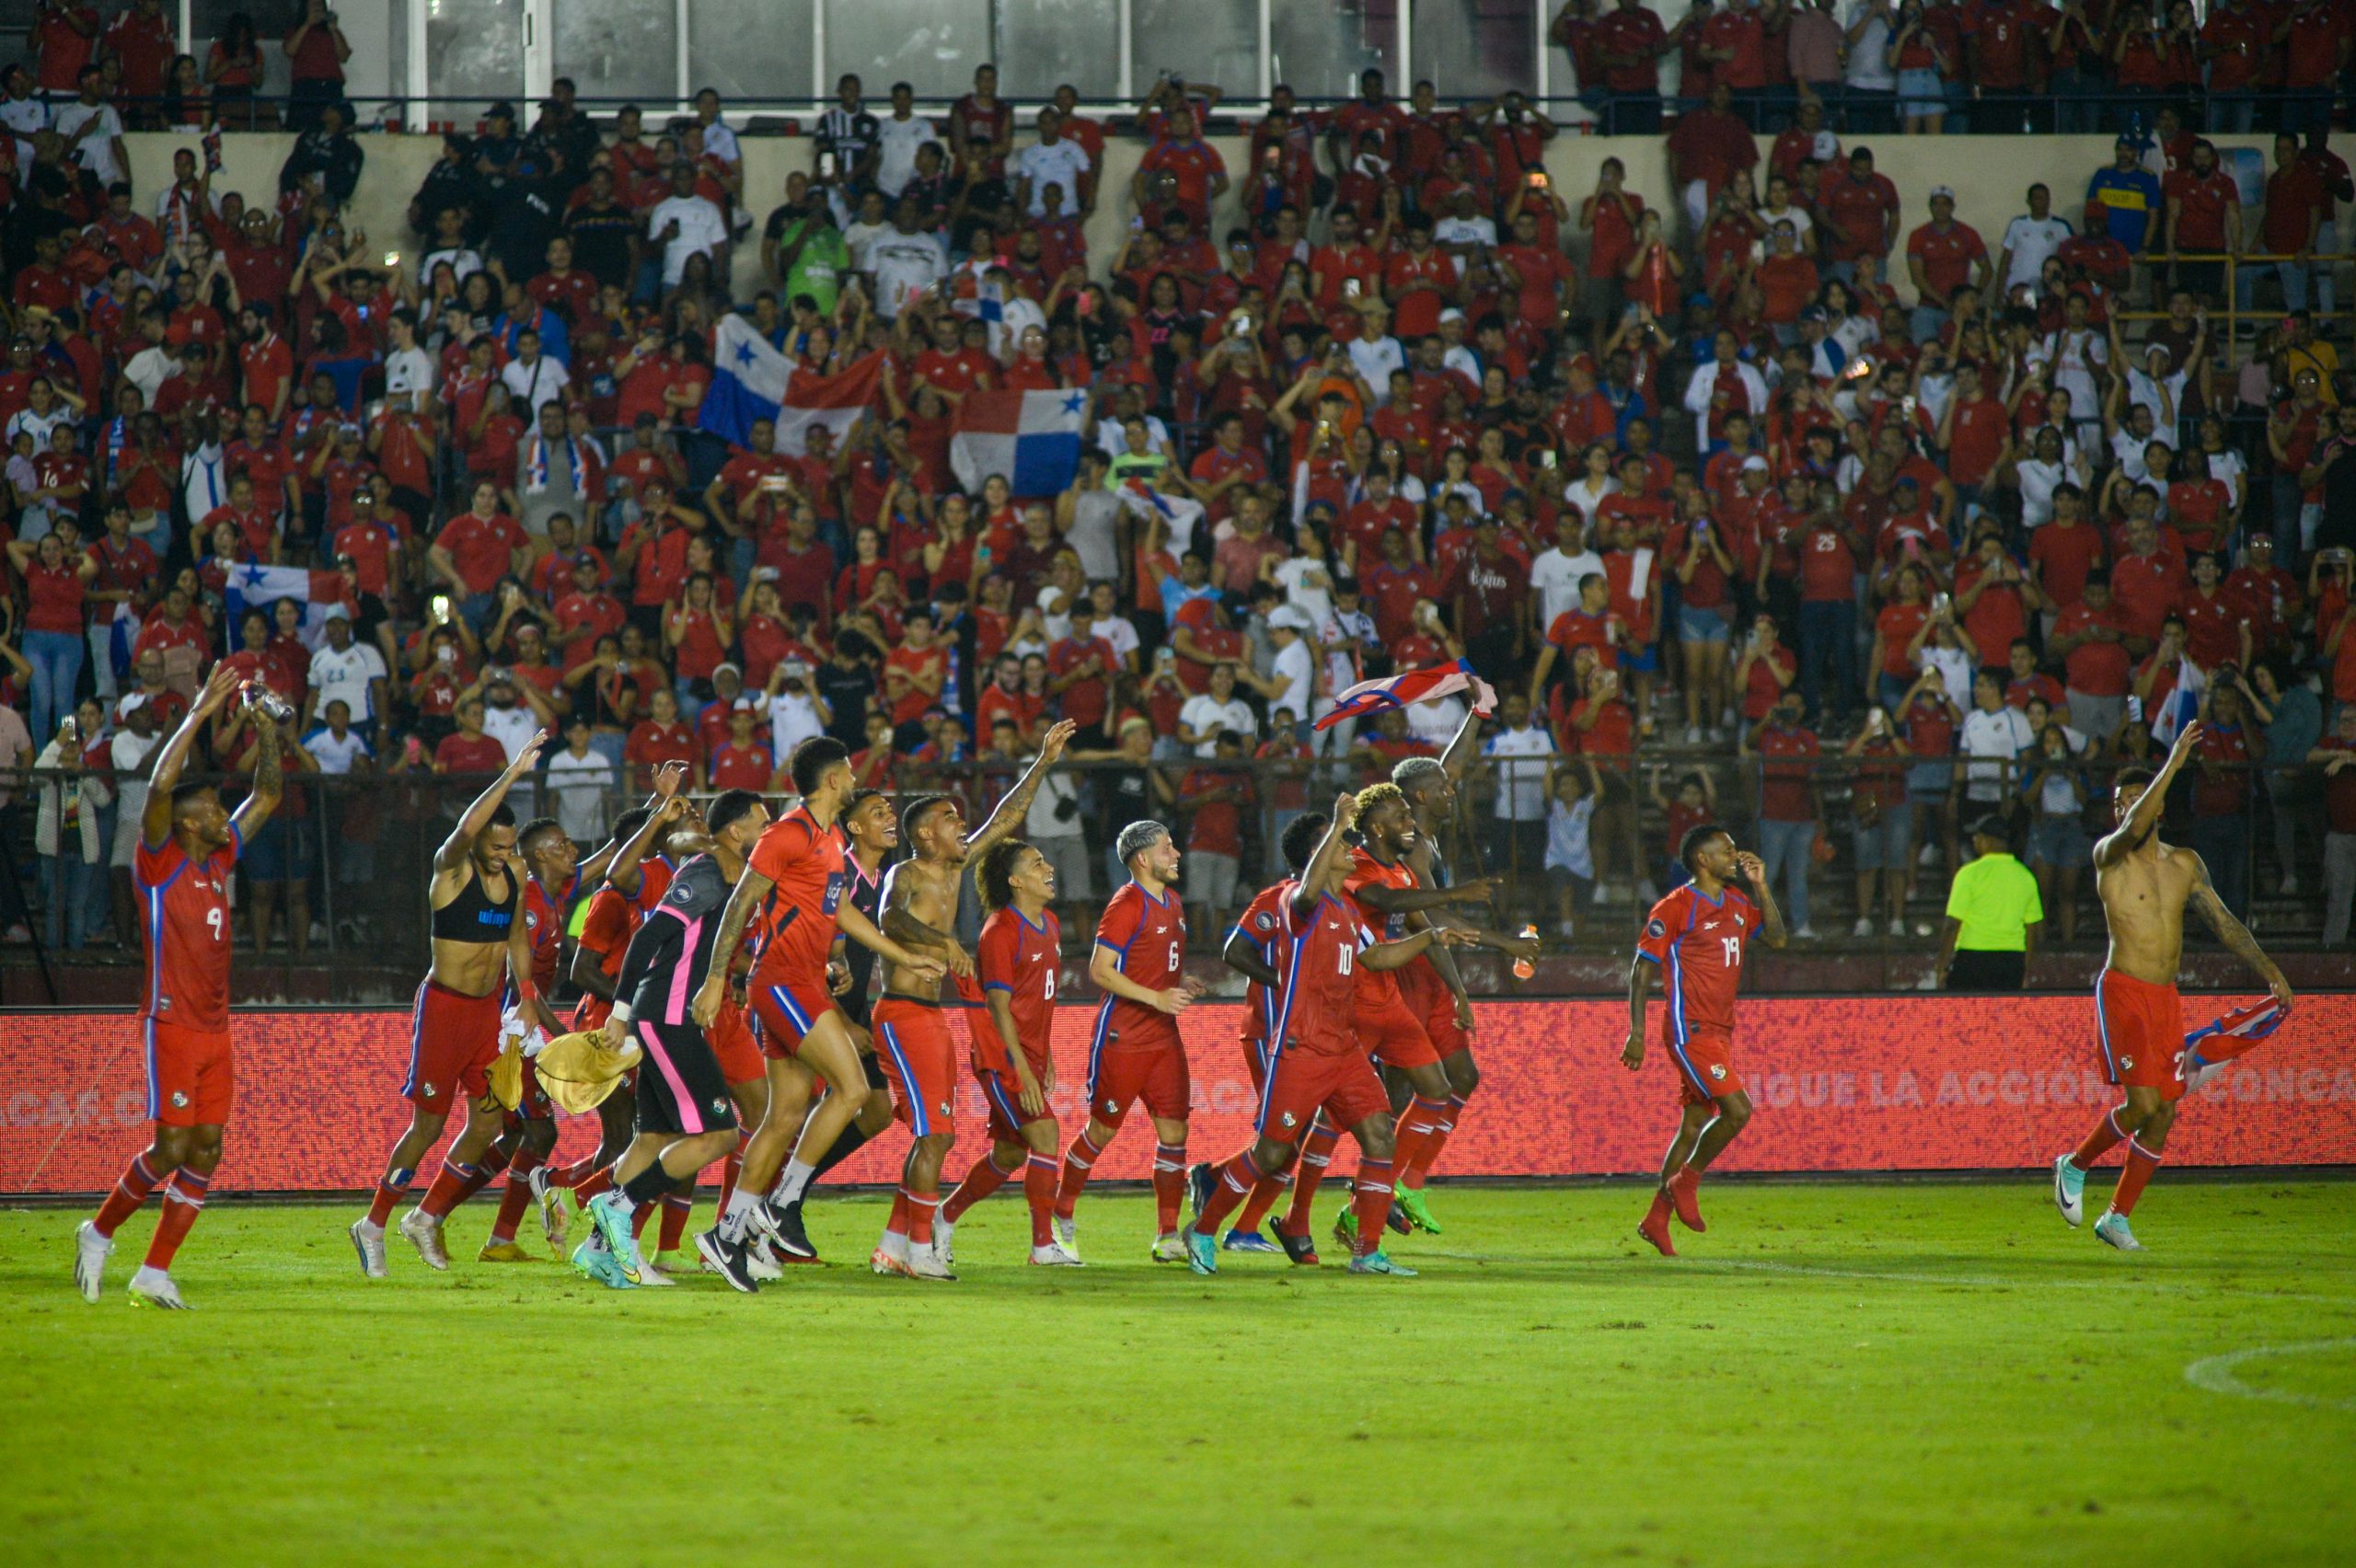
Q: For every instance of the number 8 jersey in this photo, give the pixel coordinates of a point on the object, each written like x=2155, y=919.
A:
x=184, y=910
x=1148, y=935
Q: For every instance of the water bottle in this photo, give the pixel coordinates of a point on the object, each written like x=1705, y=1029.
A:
x=1522, y=968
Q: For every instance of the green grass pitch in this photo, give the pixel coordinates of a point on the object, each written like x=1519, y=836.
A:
x=1834, y=1373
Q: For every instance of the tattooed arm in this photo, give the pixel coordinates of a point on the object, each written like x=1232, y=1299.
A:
x=2233, y=933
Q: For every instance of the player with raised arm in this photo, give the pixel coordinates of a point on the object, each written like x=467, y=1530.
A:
x=1135, y=1052
x=1696, y=937
x=1388, y=900
x=188, y=844
x=1250, y=952
x=689, y=1096
x=797, y=866
x=1430, y=985
x=480, y=943
x=1317, y=1067
x=2144, y=886
x=1016, y=960
x=684, y=1114
x=912, y=1037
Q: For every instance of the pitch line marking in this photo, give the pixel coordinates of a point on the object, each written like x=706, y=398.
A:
x=1984, y=1282
x=2216, y=1373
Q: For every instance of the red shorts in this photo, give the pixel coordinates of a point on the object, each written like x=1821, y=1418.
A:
x=1116, y=1079
x=1393, y=1031
x=1346, y=1087
x=190, y=1077
x=2140, y=1027
x=1428, y=998
x=919, y=1058
x=1704, y=1065
x=787, y=1009
x=731, y=1035
x=1002, y=1092
x=453, y=1040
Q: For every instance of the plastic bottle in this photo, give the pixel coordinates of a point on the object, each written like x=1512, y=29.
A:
x=1522, y=968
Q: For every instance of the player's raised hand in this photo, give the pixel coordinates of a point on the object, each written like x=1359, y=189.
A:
x=2187, y=740
x=1631, y=1054
x=530, y=757
x=1057, y=737
x=669, y=779
x=218, y=687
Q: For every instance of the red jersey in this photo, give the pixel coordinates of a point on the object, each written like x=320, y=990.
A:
x=1698, y=942
x=1376, y=986
x=1022, y=959
x=544, y=928
x=185, y=908
x=1317, y=953
x=805, y=861
x=1147, y=937
x=1258, y=925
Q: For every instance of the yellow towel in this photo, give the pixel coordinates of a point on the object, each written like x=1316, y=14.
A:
x=577, y=1070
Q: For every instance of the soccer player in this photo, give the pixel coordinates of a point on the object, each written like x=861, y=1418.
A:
x=2144, y=886
x=912, y=1038
x=188, y=843
x=1382, y=886
x=1250, y=952
x=1696, y=937
x=476, y=896
x=1017, y=961
x=554, y=872
x=1317, y=1067
x=795, y=873
x=1430, y=985
x=686, y=1118
x=616, y=910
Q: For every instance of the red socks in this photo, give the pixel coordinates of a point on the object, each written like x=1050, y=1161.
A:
x=921, y=1207
x=1316, y=1153
x=1417, y=1122
x=898, y=1224
x=1433, y=1141
x=677, y=1209
x=391, y=1193
x=599, y=1181
x=452, y=1187
x=516, y=1197
x=1372, y=1204
x=1264, y=1192
x=730, y=1169
x=2141, y=1163
x=1039, y=1174
x=1169, y=1185
x=982, y=1179
x=639, y=1215
x=2107, y=1134
x=139, y=1179
x=183, y=1201
x=1238, y=1177
x=1078, y=1159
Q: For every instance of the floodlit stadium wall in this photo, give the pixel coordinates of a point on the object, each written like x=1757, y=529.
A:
x=1842, y=1084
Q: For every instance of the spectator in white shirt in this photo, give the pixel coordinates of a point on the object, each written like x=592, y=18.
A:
x=683, y=224
x=1557, y=573
x=93, y=130
x=2029, y=239
x=898, y=137
x=1995, y=736
x=347, y=672
x=1208, y=713
x=1051, y=160
x=1743, y=383
x=1374, y=352
x=910, y=259
x=1293, y=671
x=531, y=377
x=335, y=745
x=1521, y=754
x=796, y=712
x=580, y=781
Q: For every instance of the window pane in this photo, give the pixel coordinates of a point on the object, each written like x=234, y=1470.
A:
x=1213, y=41
x=937, y=58
x=747, y=49
x=1044, y=43
x=1320, y=50
x=619, y=49
x=474, y=54
x=1475, y=48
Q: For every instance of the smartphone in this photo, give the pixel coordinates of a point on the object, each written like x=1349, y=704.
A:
x=1546, y=459
x=1349, y=288
x=1538, y=180
x=392, y=261
x=826, y=165
x=1243, y=327
x=441, y=608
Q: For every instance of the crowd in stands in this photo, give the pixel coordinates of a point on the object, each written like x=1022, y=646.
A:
x=1779, y=487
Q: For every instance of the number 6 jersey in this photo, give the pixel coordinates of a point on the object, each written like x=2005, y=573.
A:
x=184, y=911
x=1148, y=937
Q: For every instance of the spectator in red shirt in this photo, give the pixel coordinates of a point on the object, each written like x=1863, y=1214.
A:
x=1706, y=148
x=1942, y=257
x=1861, y=209
x=475, y=549
x=2204, y=214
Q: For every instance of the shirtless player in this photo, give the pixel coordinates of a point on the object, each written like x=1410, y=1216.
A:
x=911, y=1037
x=477, y=897
x=2144, y=886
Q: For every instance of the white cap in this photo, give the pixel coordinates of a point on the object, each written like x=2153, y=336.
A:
x=1289, y=618
x=1939, y=191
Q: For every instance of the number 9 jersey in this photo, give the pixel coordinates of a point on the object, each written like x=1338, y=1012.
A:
x=184, y=911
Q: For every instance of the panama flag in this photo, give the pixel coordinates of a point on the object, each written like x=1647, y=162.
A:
x=752, y=379
x=2208, y=1048
x=1031, y=437
x=1404, y=690
x=257, y=587
x=2182, y=705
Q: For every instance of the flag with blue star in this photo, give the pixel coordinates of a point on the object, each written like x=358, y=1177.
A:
x=1033, y=438
x=752, y=380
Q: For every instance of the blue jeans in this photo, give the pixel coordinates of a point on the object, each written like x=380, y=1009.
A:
x=56, y=657
x=2233, y=114
x=1785, y=846
x=70, y=886
x=1828, y=657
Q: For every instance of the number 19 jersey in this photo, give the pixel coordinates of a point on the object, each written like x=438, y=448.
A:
x=805, y=861
x=184, y=911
